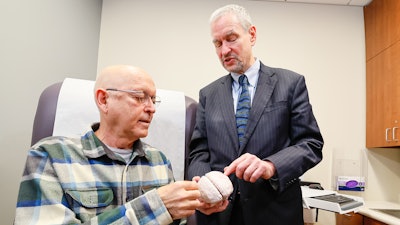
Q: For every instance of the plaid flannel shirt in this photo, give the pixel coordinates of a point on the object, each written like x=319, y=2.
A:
x=74, y=181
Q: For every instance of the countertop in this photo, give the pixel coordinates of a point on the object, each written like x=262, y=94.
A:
x=368, y=210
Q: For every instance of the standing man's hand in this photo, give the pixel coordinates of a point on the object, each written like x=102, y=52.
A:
x=250, y=168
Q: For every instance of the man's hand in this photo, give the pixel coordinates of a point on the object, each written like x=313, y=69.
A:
x=250, y=168
x=180, y=198
x=207, y=208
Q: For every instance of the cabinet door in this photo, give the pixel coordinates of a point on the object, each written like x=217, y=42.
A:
x=349, y=219
x=382, y=21
x=370, y=221
x=383, y=98
x=382, y=36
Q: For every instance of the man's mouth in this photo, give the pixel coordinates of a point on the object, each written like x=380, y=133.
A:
x=229, y=60
x=145, y=121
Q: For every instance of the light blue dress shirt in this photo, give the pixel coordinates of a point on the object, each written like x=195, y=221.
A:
x=252, y=76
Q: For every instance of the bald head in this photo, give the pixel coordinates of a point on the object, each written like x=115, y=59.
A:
x=118, y=76
x=119, y=94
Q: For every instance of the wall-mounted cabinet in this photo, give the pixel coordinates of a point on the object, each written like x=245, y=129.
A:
x=382, y=20
x=383, y=98
x=382, y=35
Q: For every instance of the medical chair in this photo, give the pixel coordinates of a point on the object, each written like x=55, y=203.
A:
x=46, y=113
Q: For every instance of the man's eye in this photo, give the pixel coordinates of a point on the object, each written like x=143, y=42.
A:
x=140, y=95
x=231, y=38
x=217, y=44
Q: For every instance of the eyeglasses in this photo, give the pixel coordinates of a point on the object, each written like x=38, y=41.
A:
x=141, y=96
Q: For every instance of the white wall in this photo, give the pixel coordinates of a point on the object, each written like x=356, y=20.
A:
x=41, y=42
x=171, y=40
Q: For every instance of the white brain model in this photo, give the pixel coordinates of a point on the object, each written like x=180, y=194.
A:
x=214, y=187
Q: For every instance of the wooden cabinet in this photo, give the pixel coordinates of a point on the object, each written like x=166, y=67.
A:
x=370, y=221
x=383, y=98
x=382, y=20
x=382, y=35
x=356, y=219
x=349, y=219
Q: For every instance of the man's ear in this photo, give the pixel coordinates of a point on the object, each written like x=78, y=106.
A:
x=253, y=35
x=101, y=98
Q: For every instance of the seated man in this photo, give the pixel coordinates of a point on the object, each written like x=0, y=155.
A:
x=108, y=176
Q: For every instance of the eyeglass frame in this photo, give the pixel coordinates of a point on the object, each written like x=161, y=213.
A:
x=156, y=100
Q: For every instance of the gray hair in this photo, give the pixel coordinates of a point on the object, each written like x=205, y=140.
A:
x=239, y=11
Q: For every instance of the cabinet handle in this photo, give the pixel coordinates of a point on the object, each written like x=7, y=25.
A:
x=387, y=135
x=394, y=134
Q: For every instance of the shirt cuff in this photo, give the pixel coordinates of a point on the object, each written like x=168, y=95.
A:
x=149, y=206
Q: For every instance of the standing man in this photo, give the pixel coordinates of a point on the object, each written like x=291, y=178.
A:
x=108, y=176
x=264, y=140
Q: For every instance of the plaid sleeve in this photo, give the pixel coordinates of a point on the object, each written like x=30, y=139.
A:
x=40, y=198
x=148, y=208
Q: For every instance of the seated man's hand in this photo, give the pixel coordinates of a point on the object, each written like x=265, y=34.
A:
x=180, y=198
x=210, y=208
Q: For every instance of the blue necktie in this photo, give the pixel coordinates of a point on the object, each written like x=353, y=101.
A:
x=243, y=108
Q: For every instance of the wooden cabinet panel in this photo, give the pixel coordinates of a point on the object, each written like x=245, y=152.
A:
x=370, y=221
x=349, y=219
x=382, y=35
x=383, y=98
x=356, y=219
x=382, y=20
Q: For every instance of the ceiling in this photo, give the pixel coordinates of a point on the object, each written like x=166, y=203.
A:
x=329, y=2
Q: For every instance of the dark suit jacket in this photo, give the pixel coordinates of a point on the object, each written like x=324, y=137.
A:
x=281, y=129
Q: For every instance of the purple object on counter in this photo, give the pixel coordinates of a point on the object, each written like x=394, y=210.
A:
x=351, y=183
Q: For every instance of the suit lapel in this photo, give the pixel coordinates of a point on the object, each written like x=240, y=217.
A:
x=226, y=106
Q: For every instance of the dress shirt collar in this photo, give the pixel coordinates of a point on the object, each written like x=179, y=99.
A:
x=251, y=73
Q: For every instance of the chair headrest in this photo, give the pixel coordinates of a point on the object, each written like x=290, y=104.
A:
x=77, y=111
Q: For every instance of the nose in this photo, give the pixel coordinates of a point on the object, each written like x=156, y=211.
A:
x=225, y=48
x=150, y=107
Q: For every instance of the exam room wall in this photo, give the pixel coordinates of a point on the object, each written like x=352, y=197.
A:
x=171, y=40
x=41, y=43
